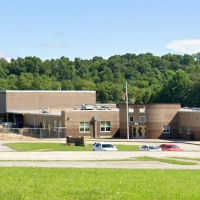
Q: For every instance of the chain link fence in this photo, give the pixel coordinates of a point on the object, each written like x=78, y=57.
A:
x=55, y=132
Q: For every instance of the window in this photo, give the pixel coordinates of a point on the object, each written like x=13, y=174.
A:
x=131, y=110
x=43, y=124
x=84, y=127
x=105, y=127
x=97, y=144
x=166, y=129
x=59, y=127
x=142, y=109
x=54, y=125
x=180, y=130
x=131, y=119
x=142, y=119
x=188, y=130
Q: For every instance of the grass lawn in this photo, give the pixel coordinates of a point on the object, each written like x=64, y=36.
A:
x=178, y=161
x=88, y=184
x=43, y=146
x=34, y=183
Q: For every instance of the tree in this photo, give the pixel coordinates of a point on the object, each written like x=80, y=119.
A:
x=176, y=89
x=33, y=65
x=3, y=68
x=67, y=85
x=17, y=66
x=25, y=81
x=12, y=81
x=104, y=92
x=4, y=84
x=42, y=82
x=81, y=84
x=66, y=69
x=106, y=74
x=194, y=95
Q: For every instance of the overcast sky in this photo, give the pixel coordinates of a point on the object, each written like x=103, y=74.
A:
x=50, y=29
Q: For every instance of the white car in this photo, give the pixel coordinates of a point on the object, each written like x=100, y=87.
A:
x=104, y=146
x=150, y=147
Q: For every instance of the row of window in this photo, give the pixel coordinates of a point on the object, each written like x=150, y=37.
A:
x=85, y=127
x=141, y=110
x=166, y=129
x=105, y=126
x=142, y=119
x=184, y=130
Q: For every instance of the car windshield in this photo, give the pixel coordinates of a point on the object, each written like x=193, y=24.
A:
x=173, y=146
x=107, y=146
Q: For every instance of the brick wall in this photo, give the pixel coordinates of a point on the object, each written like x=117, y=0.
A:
x=189, y=124
x=157, y=116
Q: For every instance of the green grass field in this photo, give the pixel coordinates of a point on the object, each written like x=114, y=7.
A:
x=88, y=184
x=34, y=183
x=45, y=146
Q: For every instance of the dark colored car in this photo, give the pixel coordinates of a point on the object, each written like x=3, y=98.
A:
x=170, y=147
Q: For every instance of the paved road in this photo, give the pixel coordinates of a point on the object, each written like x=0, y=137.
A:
x=91, y=155
x=108, y=164
x=10, y=158
x=93, y=159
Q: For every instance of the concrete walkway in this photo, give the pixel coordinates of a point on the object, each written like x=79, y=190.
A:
x=5, y=148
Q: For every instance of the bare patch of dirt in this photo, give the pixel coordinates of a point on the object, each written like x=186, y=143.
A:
x=14, y=136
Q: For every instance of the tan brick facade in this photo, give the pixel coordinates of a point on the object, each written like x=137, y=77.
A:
x=95, y=117
x=189, y=124
x=165, y=121
x=64, y=116
x=148, y=121
x=69, y=122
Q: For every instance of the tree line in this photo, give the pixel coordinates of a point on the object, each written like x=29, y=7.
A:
x=170, y=78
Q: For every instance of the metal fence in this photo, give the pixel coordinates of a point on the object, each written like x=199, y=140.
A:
x=56, y=132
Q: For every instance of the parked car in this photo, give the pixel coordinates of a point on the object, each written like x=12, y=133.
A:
x=104, y=146
x=148, y=147
x=170, y=147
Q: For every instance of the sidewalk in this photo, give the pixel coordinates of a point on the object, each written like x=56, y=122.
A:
x=5, y=148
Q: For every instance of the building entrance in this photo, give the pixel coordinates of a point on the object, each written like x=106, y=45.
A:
x=138, y=132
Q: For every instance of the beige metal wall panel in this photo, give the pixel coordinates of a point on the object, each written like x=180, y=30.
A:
x=33, y=100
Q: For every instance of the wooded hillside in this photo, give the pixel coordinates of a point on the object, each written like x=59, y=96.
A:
x=170, y=78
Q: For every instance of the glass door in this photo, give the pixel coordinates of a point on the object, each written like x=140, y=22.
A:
x=138, y=131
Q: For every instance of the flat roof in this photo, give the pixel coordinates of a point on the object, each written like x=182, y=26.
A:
x=42, y=91
x=187, y=109
x=37, y=112
x=57, y=111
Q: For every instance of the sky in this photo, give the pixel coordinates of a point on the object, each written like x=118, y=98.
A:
x=50, y=29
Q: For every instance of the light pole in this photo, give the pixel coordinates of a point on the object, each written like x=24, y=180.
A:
x=127, y=120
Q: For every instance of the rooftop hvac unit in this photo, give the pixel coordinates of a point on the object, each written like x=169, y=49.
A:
x=87, y=107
